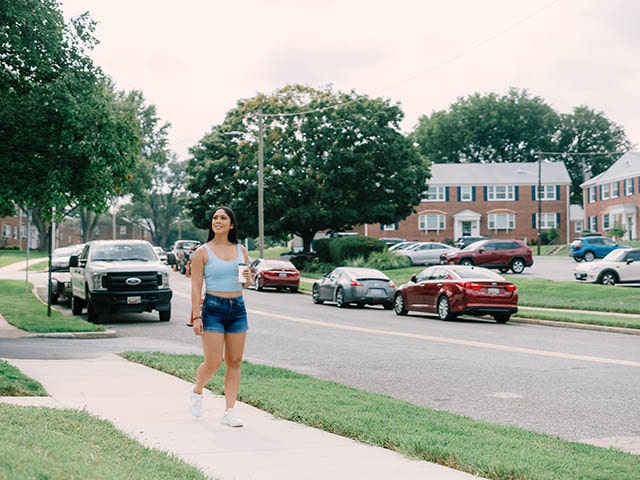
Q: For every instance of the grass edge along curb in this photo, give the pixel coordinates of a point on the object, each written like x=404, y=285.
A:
x=27, y=312
x=14, y=383
x=483, y=449
x=57, y=444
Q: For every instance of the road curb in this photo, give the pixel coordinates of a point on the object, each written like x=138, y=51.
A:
x=75, y=335
x=579, y=326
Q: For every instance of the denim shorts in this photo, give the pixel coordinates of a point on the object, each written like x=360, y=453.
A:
x=224, y=315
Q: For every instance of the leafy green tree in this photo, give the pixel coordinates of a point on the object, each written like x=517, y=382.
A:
x=588, y=132
x=324, y=167
x=488, y=128
x=157, y=181
x=65, y=139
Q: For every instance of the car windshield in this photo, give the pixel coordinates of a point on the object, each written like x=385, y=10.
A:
x=366, y=274
x=123, y=253
x=475, y=245
x=616, y=255
x=278, y=264
x=478, y=273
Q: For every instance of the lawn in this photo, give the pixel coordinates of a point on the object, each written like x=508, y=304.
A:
x=57, y=444
x=484, y=449
x=23, y=310
x=7, y=257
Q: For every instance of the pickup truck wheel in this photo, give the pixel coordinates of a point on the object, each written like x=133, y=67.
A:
x=76, y=305
x=165, y=315
x=92, y=315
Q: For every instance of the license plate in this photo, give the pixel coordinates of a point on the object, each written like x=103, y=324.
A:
x=377, y=292
x=493, y=291
x=134, y=300
x=282, y=274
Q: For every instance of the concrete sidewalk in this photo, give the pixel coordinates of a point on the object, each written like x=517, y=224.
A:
x=152, y=407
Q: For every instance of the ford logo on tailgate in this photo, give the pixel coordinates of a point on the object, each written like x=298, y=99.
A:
x=133, y=281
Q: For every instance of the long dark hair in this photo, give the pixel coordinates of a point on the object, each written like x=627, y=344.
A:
x=233, y=233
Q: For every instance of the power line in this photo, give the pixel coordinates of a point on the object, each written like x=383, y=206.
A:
x=413, y=77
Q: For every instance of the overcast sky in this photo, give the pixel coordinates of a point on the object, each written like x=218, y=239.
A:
x=196, y=58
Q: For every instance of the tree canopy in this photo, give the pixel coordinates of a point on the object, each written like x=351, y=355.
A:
x=331, y=161
x=65, y=138
x=518, y=127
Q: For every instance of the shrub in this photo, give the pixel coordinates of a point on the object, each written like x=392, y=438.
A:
x=345, y=248
x=549, y=236
x=322, y=248
x=382, y=261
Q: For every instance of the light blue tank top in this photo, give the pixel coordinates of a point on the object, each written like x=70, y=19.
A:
x=222, y=275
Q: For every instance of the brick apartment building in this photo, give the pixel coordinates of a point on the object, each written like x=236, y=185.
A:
x=497, y=200
x=613, y=197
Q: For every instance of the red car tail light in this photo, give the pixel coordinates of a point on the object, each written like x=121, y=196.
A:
x=355, y=283
x=470, y=285
x=392, y=285
x=510, y=287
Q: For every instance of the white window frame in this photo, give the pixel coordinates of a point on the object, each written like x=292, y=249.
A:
x=593, y=220
x=547, y=220
x=628, y=186
x=592, y=195
x=390, y=227
x=425, y=219
x=606, y=221
x=466, y=193
x=6, y=230
x=507, y=220
x=605, y=191
x=579, y=226
x=615, y=189
x=436, y=193
x=501, y=193
x=547, y=192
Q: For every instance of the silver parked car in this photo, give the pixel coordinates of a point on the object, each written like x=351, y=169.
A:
x=427, y=253
x=362, y=286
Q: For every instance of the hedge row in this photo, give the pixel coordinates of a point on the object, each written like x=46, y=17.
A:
x=339, y=250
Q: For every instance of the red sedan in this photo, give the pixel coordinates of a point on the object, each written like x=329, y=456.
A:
x=452, y=290
x=277, y=274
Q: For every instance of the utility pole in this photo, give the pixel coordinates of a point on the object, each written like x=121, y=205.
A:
x=261, y=183
x=539, y=197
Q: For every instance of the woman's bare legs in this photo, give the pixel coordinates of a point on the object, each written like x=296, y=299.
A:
x=233, y=352
x=212, y=345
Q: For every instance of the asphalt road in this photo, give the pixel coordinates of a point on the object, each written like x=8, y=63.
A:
x=579, y=385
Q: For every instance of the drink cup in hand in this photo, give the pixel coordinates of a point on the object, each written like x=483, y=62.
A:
x=241, y=269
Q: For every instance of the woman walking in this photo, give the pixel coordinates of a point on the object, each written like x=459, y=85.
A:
x=221, y=319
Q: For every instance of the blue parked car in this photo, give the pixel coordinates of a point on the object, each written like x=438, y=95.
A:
x=589, y=248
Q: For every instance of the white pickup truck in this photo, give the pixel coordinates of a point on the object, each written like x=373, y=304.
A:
x=119, y=276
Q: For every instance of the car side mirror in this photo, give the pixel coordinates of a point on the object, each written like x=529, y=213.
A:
x=73, y=261
x=413, y=279
x=480, y=250
x=171, y=259
x=630, y=261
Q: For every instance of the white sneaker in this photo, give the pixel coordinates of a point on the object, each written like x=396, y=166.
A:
x=231, y=418
x=195, y=404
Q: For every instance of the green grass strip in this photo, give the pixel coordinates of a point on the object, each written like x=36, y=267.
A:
x=8, y=257
x=13, y=383
x=23, y=310
x=484, y=449
x=579, y=318
x=45, y=443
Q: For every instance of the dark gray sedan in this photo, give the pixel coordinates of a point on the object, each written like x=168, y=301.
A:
x=361, y=286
